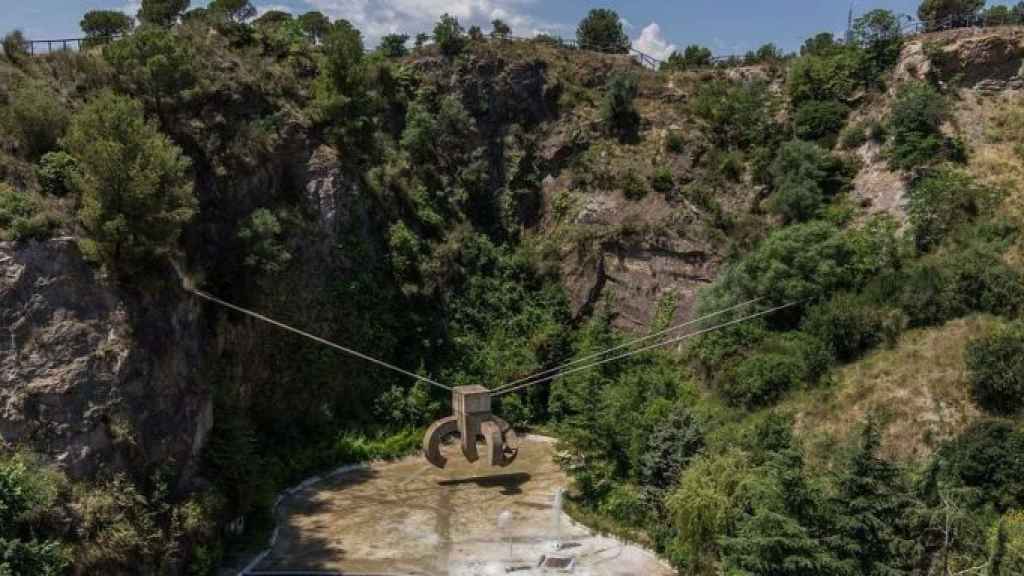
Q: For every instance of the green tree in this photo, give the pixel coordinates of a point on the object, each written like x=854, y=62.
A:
x=135, y=189
x=15, y=46
x=602, y=31
x=938, y=14
x=872, y=509
x=449, y=35
x=916, y=123
x=879, y=33
x=834, y=76
x=272, y=18
x=820, y=120
x=235, y=10
x=998, y=16
x=1006, y=545
x=804, y=176
x=315, y=25
x=692, y=57
x=995, y=367
x=393, y=45
x=943, y=201
x=56, y=173
x=101, y=24
x=736, y=115
x=261, y=235
x=617, y=109
x=499, y=29
x=162, y=12
x=671, y=446
x=154, y=65
x=823, y=44
x=35, y=117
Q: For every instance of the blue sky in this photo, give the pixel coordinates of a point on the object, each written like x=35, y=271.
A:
x=657, y=26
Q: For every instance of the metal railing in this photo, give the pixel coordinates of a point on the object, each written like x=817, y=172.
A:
x=42, y=47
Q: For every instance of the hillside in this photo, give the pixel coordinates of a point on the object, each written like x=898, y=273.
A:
x=479, y=209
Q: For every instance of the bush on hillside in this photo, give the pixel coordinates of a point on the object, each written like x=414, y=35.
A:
x=394, y=45
x=56, y=173
x=602, y=30
x=944, y=200
x=820, y=120
x=1006, y=544
x=15, y=45
x=691, y=58
x=136, y=191
x=988, y=460
x=662, y=181
x=834, y=77
x=36, y=118
x=736, y=114
x=781, y=363
x=617, y=109
x=916, y=124
x=155, y=65
x=850, y=325
x=995, y=365
x=23, y=215
x=262, y=238
x=804, y=177
x=450, y=36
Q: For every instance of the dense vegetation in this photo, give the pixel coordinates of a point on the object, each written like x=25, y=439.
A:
x=440, y=262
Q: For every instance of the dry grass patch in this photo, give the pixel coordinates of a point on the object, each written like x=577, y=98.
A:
x=918, y=390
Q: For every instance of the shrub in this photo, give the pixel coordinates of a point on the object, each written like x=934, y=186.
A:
x=735, y=115
x=675, y=143
x=878, y=33
x=988, y=458
x=450, y=36
x=692, y=57
x=135, y=188
x=850, y=325
x=602, y=30
x=804, y=176
x=796, y=200
x=943, y=200
x=662, y=180
x=762, y=379
x=153, y=64
x=23, y=215
x=950, y=13
x=819, y=120
x=1006, y=545
x=499, y=29
x=853, y=136
x=15, y=45
x=36, y=118
x=617, y=110
x=916, y=124
x=393, y=45
x=625, y=504
x=261, y=235
x=995, y=365
x=100, y=24
x=162, y=12
x=633, y=187
x=56, y=173
x=825, y=78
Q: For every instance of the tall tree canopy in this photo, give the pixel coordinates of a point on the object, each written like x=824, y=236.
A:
x=105, y=23
x=602, y=30
x=315, y=25
x=944, y=13
x=162, y=12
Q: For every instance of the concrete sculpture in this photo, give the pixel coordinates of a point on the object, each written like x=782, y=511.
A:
x=472, y=420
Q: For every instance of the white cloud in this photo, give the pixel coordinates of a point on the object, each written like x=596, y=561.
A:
x=375, y=18
x=653, y=43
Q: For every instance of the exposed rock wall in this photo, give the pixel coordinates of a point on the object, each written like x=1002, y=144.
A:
x=92, y=376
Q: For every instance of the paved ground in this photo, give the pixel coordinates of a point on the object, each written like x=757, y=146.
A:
x=409, y=518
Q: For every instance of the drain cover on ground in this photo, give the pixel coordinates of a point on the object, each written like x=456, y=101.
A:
x=560, y=563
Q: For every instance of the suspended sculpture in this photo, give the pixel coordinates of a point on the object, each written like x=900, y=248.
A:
x=472, y=421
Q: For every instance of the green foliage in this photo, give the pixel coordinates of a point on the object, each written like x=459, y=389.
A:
x=735, y=114
x=634, y=187
x=831, y=77
x=162, y=12
x=995, y=365
x=857, y=134
x=272, y=18
x=135, y=189
x=602, y=30
x=823, y=44
x=780, y=363
x=449, y=36
x=878, y=33
x=23, y=215
x=15, y=46
x=154, y=65
x=393, y=45
x=662, y=181
x=873, y=505
x=693, y=57
x=236, y=10
x=850, y=325
x=315, y=25
x=817, y=120
x=261, y=235
x=804, y=177
x=1006, y=544
x=675, y=143
x=499, y=29
x=938, y=13
x=986, y=463
x=27, y=491
x=617, y=109
x=916, y=124
x=672, y=445
x=105, y=23
x=35, y=117
x=944, y=200
x=56, y=173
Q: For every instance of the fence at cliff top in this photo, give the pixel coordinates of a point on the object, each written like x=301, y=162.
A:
x=42, y=47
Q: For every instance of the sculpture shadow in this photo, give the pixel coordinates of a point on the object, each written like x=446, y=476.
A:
x=510, y=484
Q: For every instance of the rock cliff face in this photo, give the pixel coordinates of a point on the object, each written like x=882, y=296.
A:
x=992, y=60
x=93, y=376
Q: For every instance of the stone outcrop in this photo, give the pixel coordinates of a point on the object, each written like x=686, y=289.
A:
x=988, y=60
x=95, y=377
